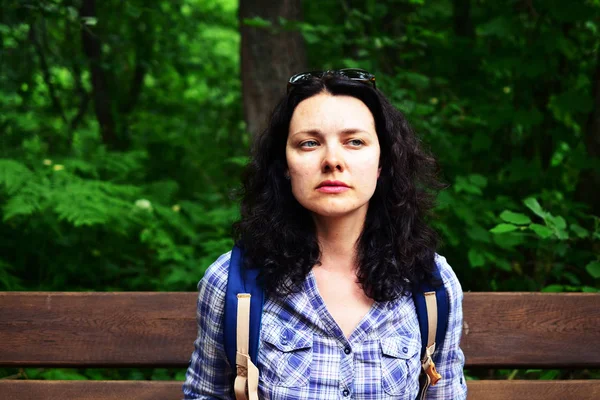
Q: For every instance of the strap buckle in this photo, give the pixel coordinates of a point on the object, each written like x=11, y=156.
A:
x=434, y=376
x=429, y=366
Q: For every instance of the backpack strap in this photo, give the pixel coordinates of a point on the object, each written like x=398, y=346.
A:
x=244, y=300
x=432, y=306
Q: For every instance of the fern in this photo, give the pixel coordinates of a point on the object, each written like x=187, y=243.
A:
x=85, y=168
x=13, y=175
x=121, y=166
x=21, y=204
x=87, y=203
x=175, y=221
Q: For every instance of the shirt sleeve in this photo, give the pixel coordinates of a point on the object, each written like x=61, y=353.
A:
x=451, y=359
x=209, y=375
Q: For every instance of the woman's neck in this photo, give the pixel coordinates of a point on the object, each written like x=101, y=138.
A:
x=338, y=237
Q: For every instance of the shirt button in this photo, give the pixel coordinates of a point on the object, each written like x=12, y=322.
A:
x=346, y=392
x=347, y=350
x=405, y=350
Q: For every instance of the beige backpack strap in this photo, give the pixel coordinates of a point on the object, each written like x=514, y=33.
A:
x=427, y=363
x=246, y=380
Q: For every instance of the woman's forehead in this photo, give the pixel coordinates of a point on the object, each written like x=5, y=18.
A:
x=328, y=112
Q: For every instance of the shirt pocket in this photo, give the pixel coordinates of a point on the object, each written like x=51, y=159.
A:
x=400, y=365
x=287, y=355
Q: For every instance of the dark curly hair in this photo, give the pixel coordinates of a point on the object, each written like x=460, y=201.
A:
x=396, y=248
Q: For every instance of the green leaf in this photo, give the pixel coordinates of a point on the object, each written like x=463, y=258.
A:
x=240, y=160
x=533, y=371
x=509, y=240
x=593, y=269
x=549, y=375
x=542, y=231
x=504, y=265
x=559, y=222
x=91, y=21
x=562, y=234
x=579, y=231
x=63, y=374
x=257, y=22
x=478, y=180
x=503, y=228
x=534, y=206
x=160, y=374
x=463, y=185
x=515, y=218
x=554, y=288
x=476, y=259
x=589, y=289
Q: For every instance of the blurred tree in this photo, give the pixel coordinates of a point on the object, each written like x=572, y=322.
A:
x=588, y=189
x=270, y=55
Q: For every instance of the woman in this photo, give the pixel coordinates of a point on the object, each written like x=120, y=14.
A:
x=333, y=215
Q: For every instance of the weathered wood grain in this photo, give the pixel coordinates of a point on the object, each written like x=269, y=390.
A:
x=523, y=330
x=157, y=390
x=128, y=329
x=97, y=329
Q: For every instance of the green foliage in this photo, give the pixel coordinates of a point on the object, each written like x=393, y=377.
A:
x=503, y=99
x=138, y=195
x=139, y=199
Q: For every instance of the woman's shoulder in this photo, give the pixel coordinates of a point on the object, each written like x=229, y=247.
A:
x=449, y=277
x=216, y=274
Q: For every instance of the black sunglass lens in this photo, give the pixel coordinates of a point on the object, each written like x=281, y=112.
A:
x=305, y=76
x=357, y=73
x=350, y=73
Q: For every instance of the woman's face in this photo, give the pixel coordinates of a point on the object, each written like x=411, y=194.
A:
x=332, y=154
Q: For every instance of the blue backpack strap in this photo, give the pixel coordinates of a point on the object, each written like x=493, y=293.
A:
x=443, y=309
x=241, y=280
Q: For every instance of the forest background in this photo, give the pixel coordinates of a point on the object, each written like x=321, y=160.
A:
x=125, y=125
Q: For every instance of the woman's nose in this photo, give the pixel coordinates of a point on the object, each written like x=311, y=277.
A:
x=333, y=160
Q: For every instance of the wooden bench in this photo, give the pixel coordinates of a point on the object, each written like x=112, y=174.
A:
x=501, y=330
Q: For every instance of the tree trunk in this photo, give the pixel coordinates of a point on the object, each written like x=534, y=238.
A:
x=593, y=126
x=466, y=60
x=463, y=25
x=270, y=55
x=92, y=49
x=589, y=182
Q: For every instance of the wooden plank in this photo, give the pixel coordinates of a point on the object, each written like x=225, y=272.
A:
x=90, y=390
x=130, y=329
x=97, y=329
x=161, y=390
x=523, y=330
x=534, y=390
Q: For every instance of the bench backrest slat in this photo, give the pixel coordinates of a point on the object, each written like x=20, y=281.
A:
x=130, y=329
x=551, y=330
x=170, y=390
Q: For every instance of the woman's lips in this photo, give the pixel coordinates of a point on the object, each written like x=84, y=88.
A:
x=332, y=189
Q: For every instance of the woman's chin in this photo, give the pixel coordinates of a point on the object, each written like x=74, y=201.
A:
x=333, y=211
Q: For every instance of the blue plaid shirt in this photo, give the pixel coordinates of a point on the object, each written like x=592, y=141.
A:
x=303, y=354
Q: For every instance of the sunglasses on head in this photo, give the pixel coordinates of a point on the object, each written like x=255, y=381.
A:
x=354, y=74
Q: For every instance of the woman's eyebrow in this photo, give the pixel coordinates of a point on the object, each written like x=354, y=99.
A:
x=317, y=132
x=351, y=131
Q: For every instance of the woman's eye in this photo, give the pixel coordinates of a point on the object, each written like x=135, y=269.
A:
x=355, y=142
x=309, y=143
